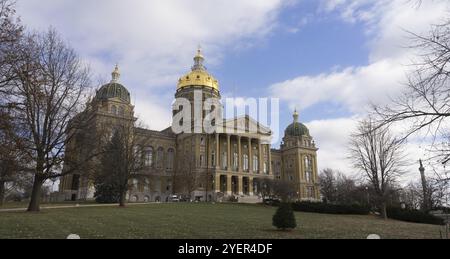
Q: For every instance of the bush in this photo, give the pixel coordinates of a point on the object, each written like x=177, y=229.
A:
x=415, y=216
x=330, y=208
x=284, y=218
x=106, y=193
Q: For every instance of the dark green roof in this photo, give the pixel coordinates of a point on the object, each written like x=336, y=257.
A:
x=113, y=90
x=297, y=129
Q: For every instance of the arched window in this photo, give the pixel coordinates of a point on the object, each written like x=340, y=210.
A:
x=213, y=158
x=235, y=160
x=245, y=162
x=224, y=160
x=160, y=158
x=148, y=159
x=121, y=111
x=170, y=159
x=137, y=156
x=135, y=184
x=114, y=109
x=202, y=160
x=308, y=169
x=146, y=185
x=255, y=163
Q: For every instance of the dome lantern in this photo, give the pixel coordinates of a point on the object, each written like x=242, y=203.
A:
x=296, y=129
x=296, y=115
x=199, y=75
x=114, y=89
x=115, y=75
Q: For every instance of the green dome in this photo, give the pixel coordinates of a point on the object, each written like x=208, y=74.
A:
x=296, y=129
x=113, y=90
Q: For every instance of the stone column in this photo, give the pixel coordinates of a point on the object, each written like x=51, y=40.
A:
x=315, y=170
x=239, y=154
x=250, y=186
x=261, y=157
x=240, y=185
x=217, y=183
x=218, y=156
x=270, y=159
x=229, y=190
x=250, y=156
x=228, y=153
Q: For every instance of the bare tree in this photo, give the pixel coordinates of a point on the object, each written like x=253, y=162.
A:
x=11, y=31
x=425, y=103
x=380, y=158
x=49, y=91
x=284, y=189
x=122, y=160
x=13, y=159
x=328, y=187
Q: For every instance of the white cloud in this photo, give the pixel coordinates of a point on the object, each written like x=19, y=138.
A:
x=332, y=137
x=153, y=41
x=353, y=88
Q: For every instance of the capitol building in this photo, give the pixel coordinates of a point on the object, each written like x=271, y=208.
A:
x=200, y=166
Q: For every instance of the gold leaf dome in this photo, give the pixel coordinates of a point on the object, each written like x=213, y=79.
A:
x=199, y=76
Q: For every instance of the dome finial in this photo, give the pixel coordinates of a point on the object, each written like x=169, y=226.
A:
x=115, y=74
x=296, y=115
x=198, y=60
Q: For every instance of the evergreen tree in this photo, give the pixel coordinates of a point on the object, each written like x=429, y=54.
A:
x=109, y=181
x=284, y=218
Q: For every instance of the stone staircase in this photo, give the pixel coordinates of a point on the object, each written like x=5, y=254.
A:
x=250, y=199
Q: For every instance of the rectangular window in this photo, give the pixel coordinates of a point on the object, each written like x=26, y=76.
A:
x=224, y=161
x=202, y=160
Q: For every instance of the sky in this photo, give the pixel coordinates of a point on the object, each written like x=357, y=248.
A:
x=327, y=58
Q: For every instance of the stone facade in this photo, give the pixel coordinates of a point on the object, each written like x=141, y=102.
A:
x=196, y=166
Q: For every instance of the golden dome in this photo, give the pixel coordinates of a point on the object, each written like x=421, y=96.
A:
x=198, y=76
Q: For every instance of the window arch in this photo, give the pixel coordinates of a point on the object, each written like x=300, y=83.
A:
x=224, y=160
x=148, y=159
x=121, y=111
x=160, y=157
x=255, y=163
x=170, y=159
x=114, y=109
x=213, y=158
x=245, y=164
x=308, y=169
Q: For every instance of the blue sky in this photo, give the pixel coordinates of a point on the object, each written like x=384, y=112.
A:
x=329, y=58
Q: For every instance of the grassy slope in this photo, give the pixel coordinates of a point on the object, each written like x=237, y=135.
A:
x=197, y=221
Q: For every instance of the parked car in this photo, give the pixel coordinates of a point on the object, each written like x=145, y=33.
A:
x=174, y=198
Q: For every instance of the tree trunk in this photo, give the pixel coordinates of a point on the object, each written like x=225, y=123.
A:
x=122, y=198
x=384, y=210
x=2, y=193
x=35, y=201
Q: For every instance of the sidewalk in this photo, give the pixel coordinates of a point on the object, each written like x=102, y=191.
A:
x=74, y=206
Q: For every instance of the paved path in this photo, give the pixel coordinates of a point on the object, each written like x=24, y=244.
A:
x=73, y=206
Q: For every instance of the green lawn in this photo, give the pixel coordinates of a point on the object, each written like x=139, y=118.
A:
x=184, y=220
x=24, y=204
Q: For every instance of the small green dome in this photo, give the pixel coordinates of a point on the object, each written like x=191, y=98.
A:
x=296, y=129
x=114, y=90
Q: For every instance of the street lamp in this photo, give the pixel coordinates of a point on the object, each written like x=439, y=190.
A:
x=368, y=196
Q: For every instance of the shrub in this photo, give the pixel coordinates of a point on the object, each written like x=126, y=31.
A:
x=106, y=193
x=284, y=218
x=330, y=208
x=415, y=216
